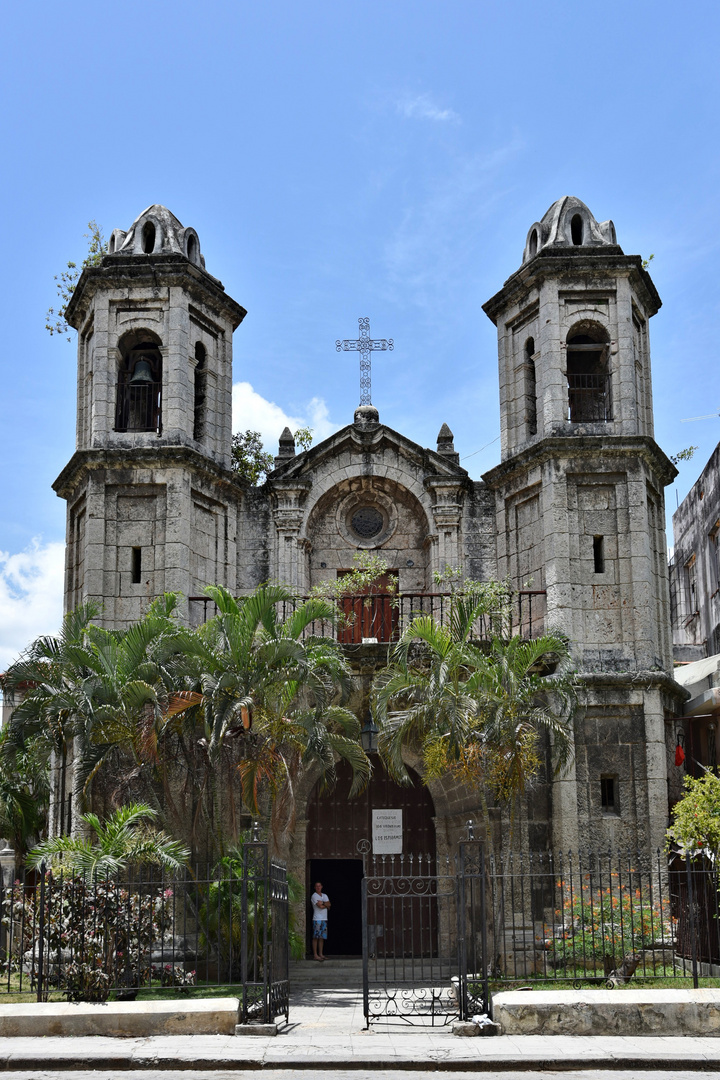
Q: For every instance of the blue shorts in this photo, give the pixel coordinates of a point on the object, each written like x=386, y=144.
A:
x=320, y=928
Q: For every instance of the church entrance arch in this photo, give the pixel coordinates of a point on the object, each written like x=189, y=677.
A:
x=337, y=823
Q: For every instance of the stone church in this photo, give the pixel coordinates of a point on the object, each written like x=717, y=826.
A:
x=572, y=515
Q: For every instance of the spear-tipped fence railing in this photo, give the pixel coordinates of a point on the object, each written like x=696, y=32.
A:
x=140, y=931
x=604, y=918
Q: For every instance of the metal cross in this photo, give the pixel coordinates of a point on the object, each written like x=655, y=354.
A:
x=365, y=345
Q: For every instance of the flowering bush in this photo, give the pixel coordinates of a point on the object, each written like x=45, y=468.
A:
x=95, y=933
x=611, y=916
x=695, y=827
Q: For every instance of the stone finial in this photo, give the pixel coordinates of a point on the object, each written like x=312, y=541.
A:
x=157, y=232
x=446, y=445
x=286, y=448
x=366, y=416
x=569, y=224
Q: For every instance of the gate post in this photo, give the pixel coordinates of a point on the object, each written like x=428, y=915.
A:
x=471, y=906
x=41, y=996
x=255, y=864
x=365, y=952
x=461, y=924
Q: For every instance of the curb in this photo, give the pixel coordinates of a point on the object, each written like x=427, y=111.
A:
x=125, y=1063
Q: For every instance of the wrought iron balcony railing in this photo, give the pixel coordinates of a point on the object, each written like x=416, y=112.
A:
x=382, y=617
x=138, y=406
x=589, y=398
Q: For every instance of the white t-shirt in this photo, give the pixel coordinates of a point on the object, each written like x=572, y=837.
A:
x=319, y=914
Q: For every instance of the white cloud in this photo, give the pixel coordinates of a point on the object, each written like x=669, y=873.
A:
x=422, y=107
x=31, y=596
x=251, y=411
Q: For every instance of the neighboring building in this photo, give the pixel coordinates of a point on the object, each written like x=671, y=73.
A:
x=695, y=567
x=695, y=616
x=575, y=506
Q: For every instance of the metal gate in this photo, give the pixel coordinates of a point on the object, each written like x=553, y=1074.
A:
x=265, y=945
x=424, y=936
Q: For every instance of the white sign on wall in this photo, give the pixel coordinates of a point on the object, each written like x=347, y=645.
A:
x=387, y=833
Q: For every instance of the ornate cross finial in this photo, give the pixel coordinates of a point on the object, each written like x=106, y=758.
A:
x=365, y=345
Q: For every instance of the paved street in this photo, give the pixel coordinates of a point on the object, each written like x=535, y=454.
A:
x=345, y=1074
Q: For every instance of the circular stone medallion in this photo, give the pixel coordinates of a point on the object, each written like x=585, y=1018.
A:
x=367, y=522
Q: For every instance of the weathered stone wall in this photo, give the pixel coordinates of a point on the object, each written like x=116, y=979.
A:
x=480, y=551
x=172, y=509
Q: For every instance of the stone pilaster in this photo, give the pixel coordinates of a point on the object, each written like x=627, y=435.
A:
x=447, y=514
x=288, y=514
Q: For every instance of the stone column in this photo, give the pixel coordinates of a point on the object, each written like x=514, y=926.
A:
x=447, y=515
x=7, y=864
x=288, y=513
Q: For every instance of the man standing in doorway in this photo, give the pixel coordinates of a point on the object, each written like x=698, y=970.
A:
x=320, y=905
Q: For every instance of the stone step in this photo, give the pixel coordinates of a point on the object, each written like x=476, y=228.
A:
x=331, y=973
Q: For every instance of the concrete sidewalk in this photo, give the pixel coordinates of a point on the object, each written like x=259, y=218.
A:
x=417, y=1053
x=327, y=1032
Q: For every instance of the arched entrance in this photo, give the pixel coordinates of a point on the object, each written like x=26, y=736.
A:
x=335, y=825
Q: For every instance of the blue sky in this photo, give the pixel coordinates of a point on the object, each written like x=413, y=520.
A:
x=340, y=160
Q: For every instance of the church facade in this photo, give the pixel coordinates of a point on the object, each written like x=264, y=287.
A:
x=572, y=516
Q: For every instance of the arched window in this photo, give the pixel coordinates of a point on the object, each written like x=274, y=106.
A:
x=192, y=249
x=576, y=230
x=139, y=390
x=589, y=386
x=148, y=238
x=533, y=243
x=200, y=391
x=111, y=245
x=530, y=388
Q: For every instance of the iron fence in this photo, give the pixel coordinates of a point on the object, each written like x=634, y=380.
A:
x=92, y=937
x=382, y=617
x=601, y=919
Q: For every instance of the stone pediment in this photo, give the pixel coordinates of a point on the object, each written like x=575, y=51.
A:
x=364, y=444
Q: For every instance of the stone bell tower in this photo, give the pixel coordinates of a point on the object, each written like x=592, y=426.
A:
x=152, y=504
x=579, y=504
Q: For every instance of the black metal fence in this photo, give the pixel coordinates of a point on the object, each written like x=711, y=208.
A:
x=424, y=939
x=382, y=617
x=92, y=937
x=601, y=919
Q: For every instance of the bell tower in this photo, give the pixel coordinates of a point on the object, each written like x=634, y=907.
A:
x=580, y=509
x=152, y=504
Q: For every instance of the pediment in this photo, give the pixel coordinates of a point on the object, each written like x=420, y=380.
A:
x=375, y=440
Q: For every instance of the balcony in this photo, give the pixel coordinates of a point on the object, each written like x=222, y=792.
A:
x=382, y=618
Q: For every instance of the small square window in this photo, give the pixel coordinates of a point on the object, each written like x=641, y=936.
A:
x=609, y=795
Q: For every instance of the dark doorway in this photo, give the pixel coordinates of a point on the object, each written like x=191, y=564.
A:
x=335, y=825
x=341, y=881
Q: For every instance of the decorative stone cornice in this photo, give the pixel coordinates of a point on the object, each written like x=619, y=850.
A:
x=369, y=440
x=133, y=271
x=579, y=447
x=85, y=462
x=634, y=680
x=554, y=262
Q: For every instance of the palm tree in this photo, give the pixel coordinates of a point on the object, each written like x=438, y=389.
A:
x=124, y=837
x=48, y=684
x=23, y=794
x=89, y=691
x=476, y=713
x=275, y=690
